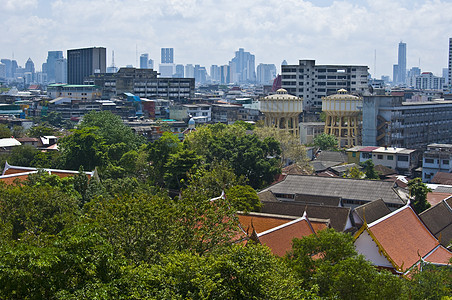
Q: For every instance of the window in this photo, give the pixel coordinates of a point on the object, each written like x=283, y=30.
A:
x=366, y=155
x=445, y=161
x=354, y=154
x=390, y=157
x=429, y=161
x=380, y=156
x=402, y=158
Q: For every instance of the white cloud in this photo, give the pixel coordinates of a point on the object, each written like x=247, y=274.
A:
x=209, y=31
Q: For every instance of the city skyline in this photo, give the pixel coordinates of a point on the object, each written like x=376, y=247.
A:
x=209, y=33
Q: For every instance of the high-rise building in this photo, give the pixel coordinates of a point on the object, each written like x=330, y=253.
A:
x=189, y=71
x=401, y=63
x=312, y=82
x=167, y=56
x=61, y=70
x=179, y=71
x=215, y=74
x=30, y=66
x=395, y=74
x=144, y=61
x=243, y=65
x=449, y=78
x=85, y=62
x=8, y=67
x=2, y=71
x=266, y=73
x=225, y=73
x=150, y=64
x=52, y=57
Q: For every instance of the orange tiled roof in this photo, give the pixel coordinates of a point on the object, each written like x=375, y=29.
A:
x=279, y=239
x=261, y=222
x=9, y=169
x=9, y=179
x=440, y=255
x=434, y=198
x=403, y=237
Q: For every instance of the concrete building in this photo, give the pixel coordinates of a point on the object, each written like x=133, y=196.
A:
x=449, y=78
x=389, y=121
x=143, y=83
x=428, y=81
x=201, y=113
x=144, y=61
x=85, y=62
x=401, y=63
x=343, y=116
x=75, y=92
x=61, y=70
x=312, y=82
x=282, y=110
x=309, y=130
x=437, y=158
x=402, y=160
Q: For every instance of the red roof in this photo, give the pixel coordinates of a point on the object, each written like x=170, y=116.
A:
x=439, y=255
x=261, y=223
x=279, y=239
x=368, y=149
x=403, y=237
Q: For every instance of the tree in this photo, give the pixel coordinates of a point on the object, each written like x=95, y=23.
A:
x=418, y=191
x=160, y=151
x=84, y=147
x=22, y=155
x=243, y=197
x=355, y=173
x=291, y=148
x=178, y=166
x=326, y=141
x=5, y=132
x=40, y=130
x=111, y=129
x=369, y=169
x=329, y=260
x=431, y=282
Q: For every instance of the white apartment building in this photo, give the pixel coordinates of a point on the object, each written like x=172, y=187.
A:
x=312, y=82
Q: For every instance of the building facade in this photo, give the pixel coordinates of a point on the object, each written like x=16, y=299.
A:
x=85, y=62
x=312, y=82
x=167, y=56
x=388, y=121
x=75, y=92
x=143, y=83
x=437, y=158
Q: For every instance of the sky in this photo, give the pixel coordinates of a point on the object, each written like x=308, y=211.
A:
x=209, y=32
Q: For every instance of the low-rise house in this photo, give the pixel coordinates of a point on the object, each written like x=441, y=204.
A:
x=399, y=241
x=353, y=192
x=402, y=160
x=437, y=158
x=370, y=212
x=7, y=144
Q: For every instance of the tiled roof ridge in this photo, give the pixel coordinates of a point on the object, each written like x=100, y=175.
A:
x=283, y=225
x=18, y=174
x=406, y=206
x=8, y=166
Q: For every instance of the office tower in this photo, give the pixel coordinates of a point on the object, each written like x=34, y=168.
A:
x=52, y=57
x=266, y=73
x=449, y=78
x=85, y=62
x=30, y=66
x=2, y=71
x=395, y=74
x=445, y=72
x=200, y=74
x=401, y=63
x=167, y=56
x=215, y=73
x=243, y=67
x=179, y=71
x=8, y=66
x=225, y=74
x=312, y=82
x=151, y=64
x=189, y=71
x=144, y=61
x=61, y=70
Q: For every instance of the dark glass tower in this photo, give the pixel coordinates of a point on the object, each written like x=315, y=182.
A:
x=85, y=62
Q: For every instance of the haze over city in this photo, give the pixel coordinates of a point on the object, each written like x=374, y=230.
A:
x=208, y=32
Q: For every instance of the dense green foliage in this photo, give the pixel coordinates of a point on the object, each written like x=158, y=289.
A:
x=369, y=169
x=326, y=141
x=418, y=191
x=121, y=236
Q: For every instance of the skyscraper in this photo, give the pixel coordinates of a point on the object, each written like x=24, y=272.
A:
x=84, y=62
x=243, y=66
x=144, y=61
x=167, y=56
x=401, y=78
x=449, y=78
x=52, y=57
x=61, y=70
